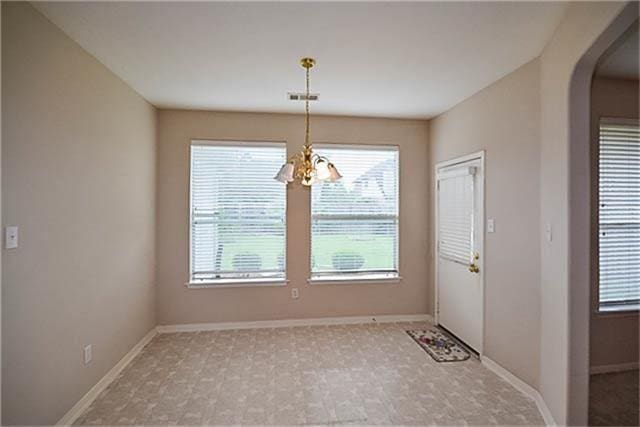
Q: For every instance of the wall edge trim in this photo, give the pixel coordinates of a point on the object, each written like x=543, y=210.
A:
x=619, y=367
x=523, y=387
x=285, y=323
x=85, y=401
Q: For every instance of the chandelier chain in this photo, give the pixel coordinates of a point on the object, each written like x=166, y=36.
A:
x=307, y=166
x=306, y=136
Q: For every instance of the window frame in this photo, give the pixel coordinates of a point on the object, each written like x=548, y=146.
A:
x=233, y=282
x=365, y=277
x=619, y=309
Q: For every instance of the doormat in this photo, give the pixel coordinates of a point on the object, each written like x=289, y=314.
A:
x=440, y=346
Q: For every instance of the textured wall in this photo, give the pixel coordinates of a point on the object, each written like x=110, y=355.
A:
x=503, y=119
x=78, y=172
x=566, y=65
x=177, y=304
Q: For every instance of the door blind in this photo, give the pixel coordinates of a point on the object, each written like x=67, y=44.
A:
x=237, y=211
x=354, y=221
x=455, y=214
x=619, y=214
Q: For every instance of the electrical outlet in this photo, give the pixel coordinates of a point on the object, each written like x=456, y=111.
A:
x=88, y=354
x=294, y=293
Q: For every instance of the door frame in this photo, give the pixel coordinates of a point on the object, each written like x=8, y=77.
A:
x=478, y=155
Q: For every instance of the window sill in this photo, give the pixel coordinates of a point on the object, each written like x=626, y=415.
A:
x=619, y=311
x=236, y=283
x=345, y=280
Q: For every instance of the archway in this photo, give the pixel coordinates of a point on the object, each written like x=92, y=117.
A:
x=579, y=180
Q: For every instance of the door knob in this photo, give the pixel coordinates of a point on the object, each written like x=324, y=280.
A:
x=473, y=267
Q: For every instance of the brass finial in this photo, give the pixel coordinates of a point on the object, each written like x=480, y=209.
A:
x=307, y=62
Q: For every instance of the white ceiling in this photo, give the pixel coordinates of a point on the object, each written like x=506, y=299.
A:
x=622, y=61
x=411, y=60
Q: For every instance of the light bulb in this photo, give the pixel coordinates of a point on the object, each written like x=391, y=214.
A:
x=322, y=170
x=334, y=175
x=286, y=173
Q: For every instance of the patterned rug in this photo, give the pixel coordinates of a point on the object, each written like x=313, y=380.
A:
x=439, y=345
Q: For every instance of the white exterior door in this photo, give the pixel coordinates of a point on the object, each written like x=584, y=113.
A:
x=459, y=242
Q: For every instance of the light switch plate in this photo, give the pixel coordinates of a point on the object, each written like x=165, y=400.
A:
x=11, y=237
x=491, y=226
x=88, y=354
x=548, y=231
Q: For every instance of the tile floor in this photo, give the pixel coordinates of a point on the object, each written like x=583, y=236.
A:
x=360, y=374
x=614, y=399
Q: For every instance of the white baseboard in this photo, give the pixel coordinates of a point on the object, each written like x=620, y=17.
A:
x=621, y=367
x=86, y=400
x=523, y=387
x=284, y=323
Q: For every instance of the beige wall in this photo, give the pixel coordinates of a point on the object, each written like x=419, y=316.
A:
x=85, y=206
x=503, y=119
x=177, y=304
x=78, y=171
x=566, y=65
x=0, y=220
x=613, y=336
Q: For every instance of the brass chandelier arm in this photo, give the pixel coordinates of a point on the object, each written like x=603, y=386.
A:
x=295, y=158
x=316, y=158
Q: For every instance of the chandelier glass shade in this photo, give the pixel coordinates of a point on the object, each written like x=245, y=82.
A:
x=306, y=166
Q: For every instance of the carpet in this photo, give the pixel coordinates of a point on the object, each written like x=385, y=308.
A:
x=440, y=346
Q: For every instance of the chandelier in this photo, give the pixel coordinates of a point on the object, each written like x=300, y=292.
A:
x=306, y=166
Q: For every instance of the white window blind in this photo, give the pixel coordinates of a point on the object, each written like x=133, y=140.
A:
x=619, y=214
x=455, y=214
x=237, y=212
x=354, y=221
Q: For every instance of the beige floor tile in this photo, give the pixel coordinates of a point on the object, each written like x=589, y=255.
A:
x=343, y=374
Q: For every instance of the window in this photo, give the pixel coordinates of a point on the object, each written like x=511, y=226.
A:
x=354, y=221
x=455, y=213
x=238, y=224
x=619, y=215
